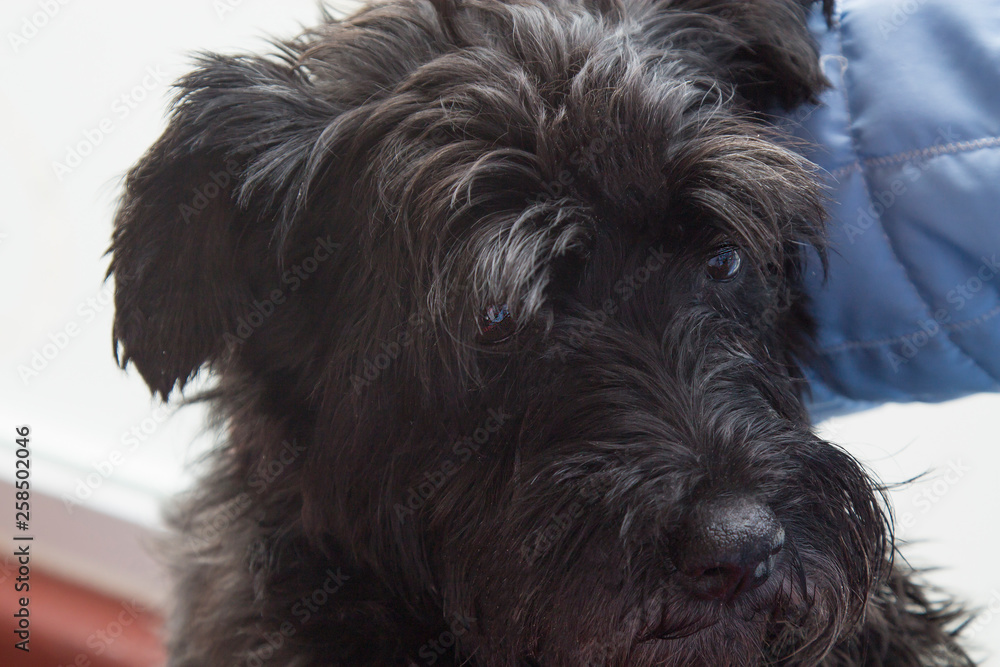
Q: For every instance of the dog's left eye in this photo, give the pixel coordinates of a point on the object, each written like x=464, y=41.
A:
x=724, y=265
x=496, y=325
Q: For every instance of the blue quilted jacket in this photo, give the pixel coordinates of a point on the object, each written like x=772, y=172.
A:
x=909, y=142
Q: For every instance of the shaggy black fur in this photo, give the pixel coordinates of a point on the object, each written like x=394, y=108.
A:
x=617, y=468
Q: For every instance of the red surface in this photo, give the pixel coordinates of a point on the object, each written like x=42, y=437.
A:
x=72, y=626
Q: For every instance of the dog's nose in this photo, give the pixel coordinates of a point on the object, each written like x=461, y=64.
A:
x=727, y=548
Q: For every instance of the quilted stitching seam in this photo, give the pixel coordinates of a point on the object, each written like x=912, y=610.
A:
x=879, y=222
x=866, y=344
x=917, y=154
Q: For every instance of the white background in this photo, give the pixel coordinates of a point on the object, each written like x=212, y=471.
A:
x=94, y=78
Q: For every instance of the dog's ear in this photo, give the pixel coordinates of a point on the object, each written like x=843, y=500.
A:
x=763, y=47
x=201, y=208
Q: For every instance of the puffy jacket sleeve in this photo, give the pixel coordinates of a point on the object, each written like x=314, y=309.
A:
x=909, y=142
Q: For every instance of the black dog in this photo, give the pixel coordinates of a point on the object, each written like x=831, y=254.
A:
x=503, y=301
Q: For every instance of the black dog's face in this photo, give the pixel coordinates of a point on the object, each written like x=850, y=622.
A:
x=525, y=280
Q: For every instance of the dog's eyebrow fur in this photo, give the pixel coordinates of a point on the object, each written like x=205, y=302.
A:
x=474, y=141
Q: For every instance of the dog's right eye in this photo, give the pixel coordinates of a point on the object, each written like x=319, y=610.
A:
x=724, y=265
x=496, y=325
